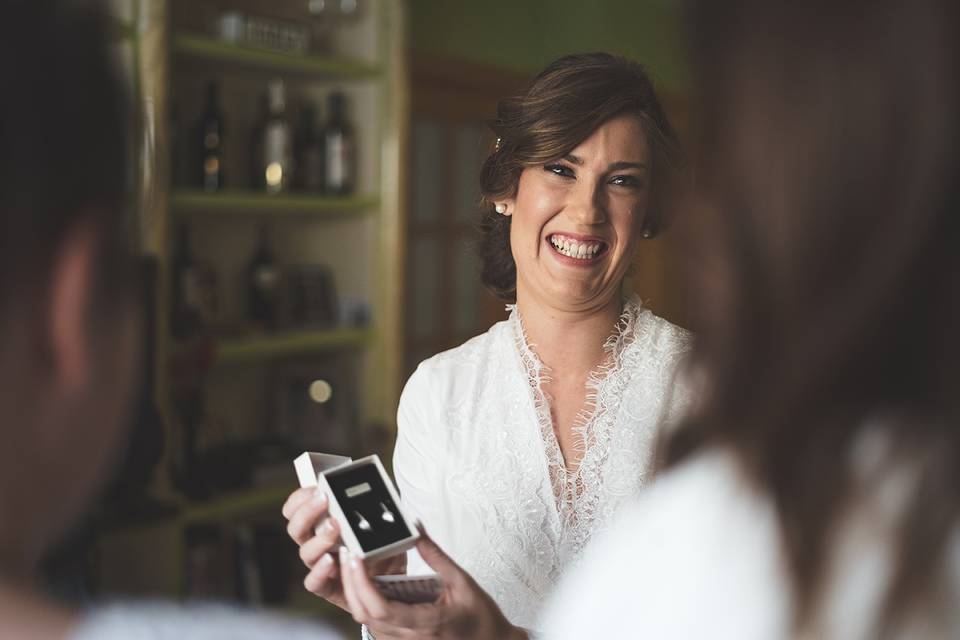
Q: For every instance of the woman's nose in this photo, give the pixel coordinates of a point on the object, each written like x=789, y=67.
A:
x=585, y=205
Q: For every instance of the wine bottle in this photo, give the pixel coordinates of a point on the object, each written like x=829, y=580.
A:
x=210, y=134
x=340, y=148
x=273, y=153
x=186, y=317
x=308, y=152
x=263, y=285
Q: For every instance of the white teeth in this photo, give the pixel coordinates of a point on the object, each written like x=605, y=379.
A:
x=574, y=249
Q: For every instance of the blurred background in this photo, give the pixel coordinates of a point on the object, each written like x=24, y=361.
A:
x=306, y=210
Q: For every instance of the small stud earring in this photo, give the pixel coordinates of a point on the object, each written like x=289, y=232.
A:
x=387, y=514
x=647, y=233
x=362, y=522
x=501, y=208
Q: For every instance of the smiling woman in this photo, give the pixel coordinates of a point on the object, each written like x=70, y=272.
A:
x=568, y=102
x=516, y=447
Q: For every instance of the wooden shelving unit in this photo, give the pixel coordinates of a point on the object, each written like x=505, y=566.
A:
x=358, y=237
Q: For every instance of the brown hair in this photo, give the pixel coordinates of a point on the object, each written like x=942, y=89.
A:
x=830, y=160
x=563, y=105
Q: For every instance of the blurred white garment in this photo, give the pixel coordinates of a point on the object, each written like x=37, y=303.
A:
x=700, y=556
x=159, y=621
x=478, y=462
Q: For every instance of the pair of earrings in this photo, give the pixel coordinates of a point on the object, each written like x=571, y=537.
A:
x=364, y=524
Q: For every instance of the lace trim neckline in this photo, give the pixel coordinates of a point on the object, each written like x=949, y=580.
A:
x=594, y=423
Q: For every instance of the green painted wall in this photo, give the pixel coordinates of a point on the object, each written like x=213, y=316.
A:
x=525, y=35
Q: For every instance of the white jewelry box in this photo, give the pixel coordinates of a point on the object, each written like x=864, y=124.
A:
x=363, y=501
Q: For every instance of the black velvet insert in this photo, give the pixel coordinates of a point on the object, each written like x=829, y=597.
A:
x=370, y=504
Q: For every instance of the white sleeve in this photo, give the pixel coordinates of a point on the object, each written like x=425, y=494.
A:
x=162, y=621
x=417, y=462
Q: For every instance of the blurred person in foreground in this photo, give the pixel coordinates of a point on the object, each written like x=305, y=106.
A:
x=69, y=323
x=816, y=492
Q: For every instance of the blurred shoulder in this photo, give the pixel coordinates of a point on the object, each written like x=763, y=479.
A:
x=701, y=539
x=163, y=621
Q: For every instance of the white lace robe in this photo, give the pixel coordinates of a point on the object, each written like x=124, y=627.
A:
x=478, y=462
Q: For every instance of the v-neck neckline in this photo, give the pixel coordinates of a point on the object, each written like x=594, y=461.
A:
x=567, y=483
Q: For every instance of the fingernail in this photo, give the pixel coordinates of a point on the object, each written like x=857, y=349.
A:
x=343, y=556
x=354, y=561
x=320, y=498
x=326, y=560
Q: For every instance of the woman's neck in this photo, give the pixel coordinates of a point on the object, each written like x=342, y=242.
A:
x=569, y=341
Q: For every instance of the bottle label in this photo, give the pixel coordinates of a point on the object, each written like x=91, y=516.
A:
x=276, y=154
x=338, y=161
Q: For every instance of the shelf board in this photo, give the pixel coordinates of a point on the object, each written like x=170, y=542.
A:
x=203, y=47
x=242, y=350
x=196, y=202
x=238, y=505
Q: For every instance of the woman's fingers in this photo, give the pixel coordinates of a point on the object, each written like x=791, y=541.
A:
x=304, y=520
x=327, y=537
x=295, y=499
x=370, y=607
x=321, y=579
x=356, y=607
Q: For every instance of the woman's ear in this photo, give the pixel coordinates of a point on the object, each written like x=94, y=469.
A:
x=72, y=284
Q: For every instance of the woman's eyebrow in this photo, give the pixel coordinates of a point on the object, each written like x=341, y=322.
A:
x=616, y=166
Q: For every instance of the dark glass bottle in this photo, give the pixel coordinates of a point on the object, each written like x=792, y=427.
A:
x=272, y=148
x=263, y=286
x=186, y=317
x=308, y=152
x=210, y=138
x=340, y=148
x=256, y=143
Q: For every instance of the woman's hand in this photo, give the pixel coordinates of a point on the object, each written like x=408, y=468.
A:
x=463, y=610
x=318, y=537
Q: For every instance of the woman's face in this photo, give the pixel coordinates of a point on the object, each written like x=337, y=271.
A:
x=577, y=220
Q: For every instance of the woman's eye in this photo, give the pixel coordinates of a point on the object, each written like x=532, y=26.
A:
x=560, y=170
x=625, y=181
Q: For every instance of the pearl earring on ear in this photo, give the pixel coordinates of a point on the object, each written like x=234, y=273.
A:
x=501, y=208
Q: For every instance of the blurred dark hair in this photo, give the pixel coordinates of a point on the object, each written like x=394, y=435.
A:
x=63, y=145
x=563, y=105
x=829, y=171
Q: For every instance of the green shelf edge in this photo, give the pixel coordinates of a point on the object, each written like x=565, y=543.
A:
x=289, y=344
x=240, y=202
x=211, y=49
